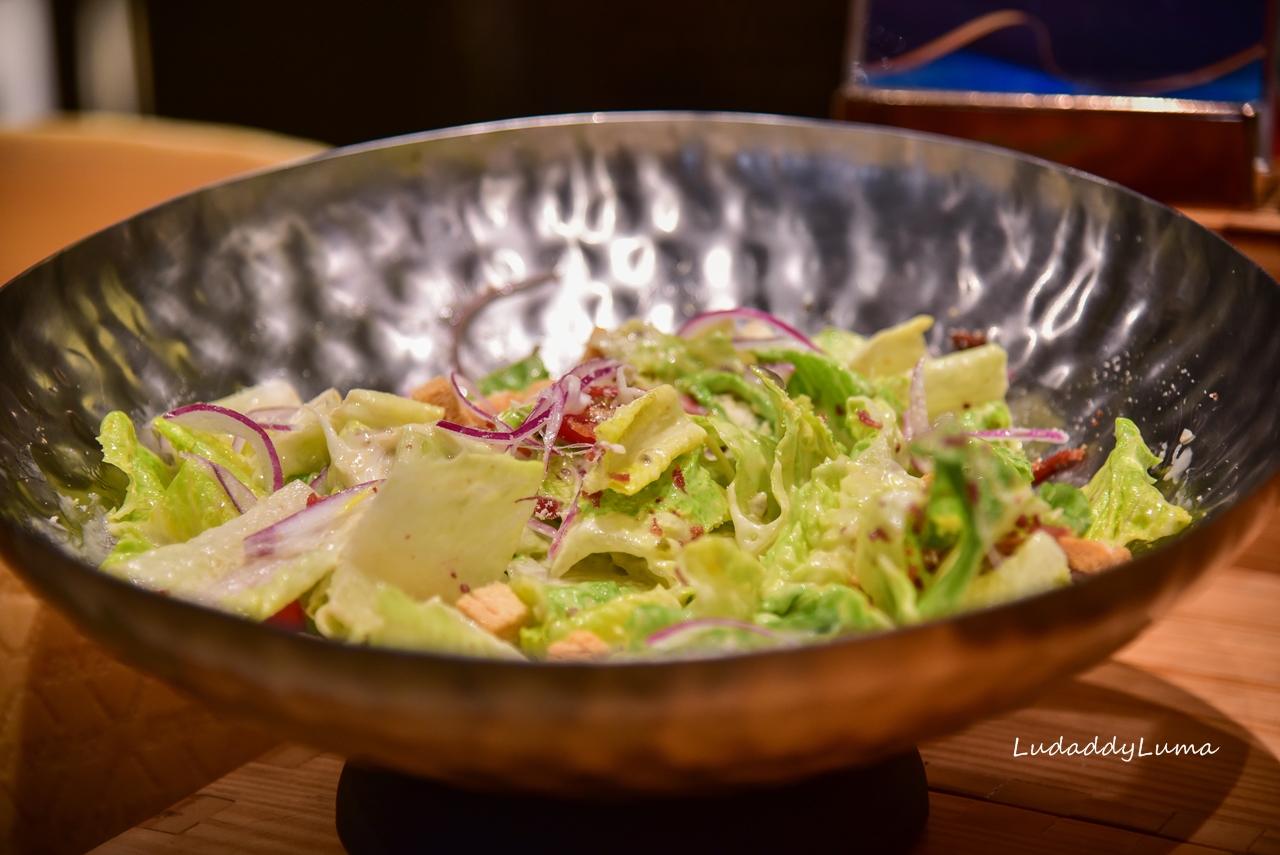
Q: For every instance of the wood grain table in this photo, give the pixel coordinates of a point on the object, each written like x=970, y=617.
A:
x=1208, y=673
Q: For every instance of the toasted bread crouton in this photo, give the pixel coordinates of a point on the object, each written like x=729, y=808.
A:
x=506, y=398
x=1089, y=556
x=439, y=391
x=593, y=350
x=496, y=609
x=580, y=644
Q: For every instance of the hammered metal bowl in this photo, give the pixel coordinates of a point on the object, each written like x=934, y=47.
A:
x=348, y=269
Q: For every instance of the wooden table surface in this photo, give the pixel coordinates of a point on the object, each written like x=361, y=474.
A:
x=1209, y=672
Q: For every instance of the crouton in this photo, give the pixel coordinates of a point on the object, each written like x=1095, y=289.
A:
x=496, y=609
x=1089, y=556
x=506, y=398
x=439, y=391
x=580, y=644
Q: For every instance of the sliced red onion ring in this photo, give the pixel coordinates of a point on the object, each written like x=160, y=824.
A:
x=542, y=528
x=1022, y=434
x=594, y=369
x=214, y=419
x=304, y=530
x=267, y=416
x=689, y=626
x=566, y=521
x=321, y=479
x=915, y=421
x=468, y=395
x=240, y=495
x=697, y=324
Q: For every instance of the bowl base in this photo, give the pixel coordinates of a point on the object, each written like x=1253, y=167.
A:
x=874, y=809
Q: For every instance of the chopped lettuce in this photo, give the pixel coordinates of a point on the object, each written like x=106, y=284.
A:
x=965, y=379
x=664, y=357
x=821, y=610
x=894, y=350
x=458, y=535
x=1125, y=503
x=725, y=580
x=433, y=626
x=1071, y=503
x=1038, y=565
x=515, y=377
x=644, y=438
x=148, y=480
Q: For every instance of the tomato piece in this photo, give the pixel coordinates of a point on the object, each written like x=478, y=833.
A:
x=291, y=617
x=577, y=429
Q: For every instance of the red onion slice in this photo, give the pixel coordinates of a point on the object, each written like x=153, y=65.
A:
x=566, y=521
x=468, y=395
x=211, y=418
x=1022, y=434
x=690, y=626
x=307, y=528
x=542, y=528
x=697, y=324
x=320, y=480
x=915, y=421
x=240, y=495
x=595, y=369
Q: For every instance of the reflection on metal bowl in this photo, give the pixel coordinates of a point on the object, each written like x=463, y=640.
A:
x=346, y=270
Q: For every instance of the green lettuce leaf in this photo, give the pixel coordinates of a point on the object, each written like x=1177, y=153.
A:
x=965, y=380
x=1071, y=503
x=148, y=479
x=622, y=622
x=710, y=389
x=1126, y=505
x=665, y=358
x=821, y=610
x=1038, y=565
x=842, y=345
x=193, y=502
x=515, y=377
x=433, y=626
x=651, y=431
x=725, y=580
x=460, y=533
x=893, y=350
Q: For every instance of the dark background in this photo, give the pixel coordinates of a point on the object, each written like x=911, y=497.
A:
x=343, y=72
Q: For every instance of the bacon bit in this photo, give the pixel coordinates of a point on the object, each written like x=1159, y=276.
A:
x=594, y=498
x=878, y=534
x=658, y=501
x=839, y=411
x=546, y=508
x=312, y=499
x=965, y=339
x=577, y=429
x=291, y=617
x=655, y=528
x=453, y=575
x=464, y=588
x=1041, y=470
x=865, y=418
x=621, y=477
x=603, y=393
x=696, y=531
x=677, y=478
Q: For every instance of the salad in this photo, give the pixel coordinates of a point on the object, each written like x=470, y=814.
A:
x=734, y=486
